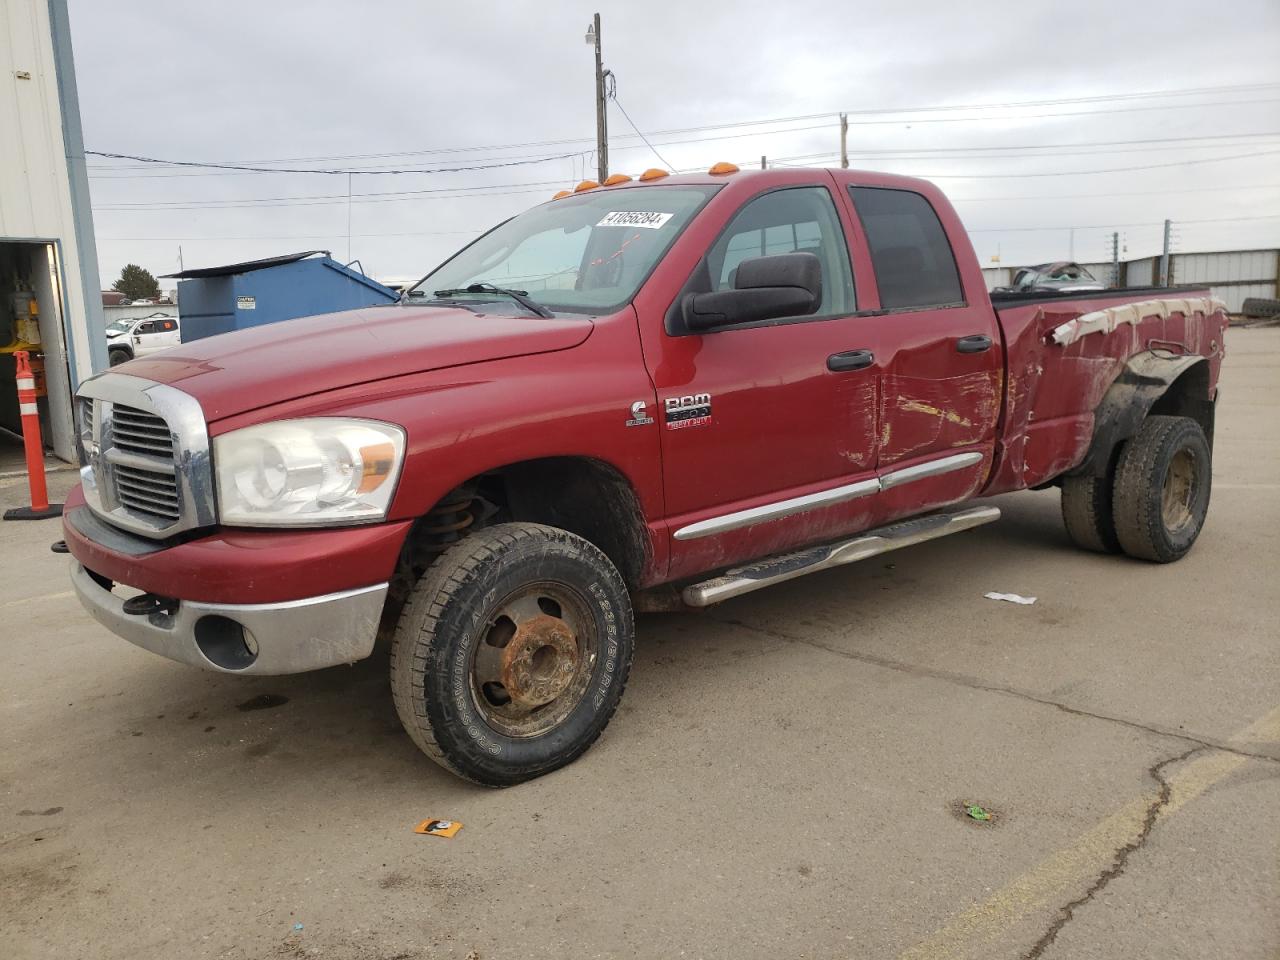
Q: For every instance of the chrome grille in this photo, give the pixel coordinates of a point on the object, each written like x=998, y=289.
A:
x=140, y=432
x=145, y=450
x=147, y=492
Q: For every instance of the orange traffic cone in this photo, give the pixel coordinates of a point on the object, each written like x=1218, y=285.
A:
x=40, y=506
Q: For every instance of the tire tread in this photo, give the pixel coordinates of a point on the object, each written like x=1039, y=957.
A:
x=447, y=576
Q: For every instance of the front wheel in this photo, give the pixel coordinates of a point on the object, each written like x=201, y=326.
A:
x=1161, y=493
x=511, y=655
x=117, y=357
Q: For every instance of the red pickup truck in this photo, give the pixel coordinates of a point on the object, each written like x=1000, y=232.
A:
x=642, y=395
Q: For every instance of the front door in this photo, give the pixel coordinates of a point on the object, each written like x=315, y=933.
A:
x=757, y=421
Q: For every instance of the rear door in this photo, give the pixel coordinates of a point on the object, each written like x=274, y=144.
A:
x=938, y=357
x=766, y=442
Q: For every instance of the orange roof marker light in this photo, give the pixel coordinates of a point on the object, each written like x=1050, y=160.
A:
x=653, y=173
x=585, y=185
x=563, y=193
x=722, y=167
x=617, y=178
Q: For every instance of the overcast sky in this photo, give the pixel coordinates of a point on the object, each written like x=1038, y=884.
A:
x=336, y=84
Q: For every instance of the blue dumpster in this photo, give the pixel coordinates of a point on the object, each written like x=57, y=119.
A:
x=215, y=300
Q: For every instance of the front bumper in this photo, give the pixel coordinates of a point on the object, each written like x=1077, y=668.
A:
x=291, y=636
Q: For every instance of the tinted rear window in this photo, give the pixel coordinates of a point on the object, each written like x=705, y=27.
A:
x=913, y=261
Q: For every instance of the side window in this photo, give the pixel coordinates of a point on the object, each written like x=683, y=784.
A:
x=148, y=327
x=797, y=219
x=909, y=249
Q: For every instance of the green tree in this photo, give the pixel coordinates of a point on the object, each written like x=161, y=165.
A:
x=137, y=283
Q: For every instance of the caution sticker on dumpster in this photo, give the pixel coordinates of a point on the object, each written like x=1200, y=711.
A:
x=438, y=828
x=634, y=218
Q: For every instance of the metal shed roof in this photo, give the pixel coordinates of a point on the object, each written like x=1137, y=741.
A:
x=247, y=267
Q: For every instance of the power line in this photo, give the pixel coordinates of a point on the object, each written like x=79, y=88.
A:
x=886, y=154
x=1072, y=173
x=257, y=167
x=341, y=171
x=613, y=95
x=1101, y=98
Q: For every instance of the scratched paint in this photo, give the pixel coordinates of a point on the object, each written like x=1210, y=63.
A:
x=918, y=415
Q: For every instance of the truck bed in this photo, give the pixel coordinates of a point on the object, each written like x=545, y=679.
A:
x=1057, y=372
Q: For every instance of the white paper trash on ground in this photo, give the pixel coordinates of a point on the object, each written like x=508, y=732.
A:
x=1011, y=597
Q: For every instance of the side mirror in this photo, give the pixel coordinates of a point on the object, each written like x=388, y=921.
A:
x=765, y=288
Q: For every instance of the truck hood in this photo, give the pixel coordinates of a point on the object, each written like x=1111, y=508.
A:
x=236, y=372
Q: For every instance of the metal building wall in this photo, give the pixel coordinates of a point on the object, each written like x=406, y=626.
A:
x=1232, y=275
x=37, y=180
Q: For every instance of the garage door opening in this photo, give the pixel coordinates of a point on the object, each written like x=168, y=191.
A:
x=32, y=319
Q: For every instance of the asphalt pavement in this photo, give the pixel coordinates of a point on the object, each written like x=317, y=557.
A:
x=787, y=775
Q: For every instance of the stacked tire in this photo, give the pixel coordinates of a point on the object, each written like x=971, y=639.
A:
x=1260, y=307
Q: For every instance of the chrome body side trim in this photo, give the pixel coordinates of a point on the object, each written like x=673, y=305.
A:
x=826, y=498
x=773, y=511
x=189, y=464
x=767, y=572
x=290, y=637
x=930, y=468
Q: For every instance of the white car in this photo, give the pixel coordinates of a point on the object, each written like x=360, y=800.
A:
x=139, y=336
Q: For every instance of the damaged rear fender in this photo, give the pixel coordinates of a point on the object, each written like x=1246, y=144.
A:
x=1150, y=383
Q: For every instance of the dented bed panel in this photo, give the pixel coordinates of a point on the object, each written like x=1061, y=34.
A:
x=1062, y=358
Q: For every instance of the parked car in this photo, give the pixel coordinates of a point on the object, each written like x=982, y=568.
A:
x=1060, y=277
x=701, y=385
x=138, y=337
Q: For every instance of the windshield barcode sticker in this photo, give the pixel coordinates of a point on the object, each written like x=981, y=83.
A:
x=634, y=218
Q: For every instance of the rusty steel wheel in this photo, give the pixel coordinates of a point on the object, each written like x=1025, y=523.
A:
x=1161, y=493
x=533, y=659
x=1177, y=491
x=512, y=652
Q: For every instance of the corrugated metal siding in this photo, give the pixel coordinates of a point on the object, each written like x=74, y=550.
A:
x=1229, y=266
x=35, y=190
x=1233, y=296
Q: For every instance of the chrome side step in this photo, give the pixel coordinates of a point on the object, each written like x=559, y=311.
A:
x=789, y=566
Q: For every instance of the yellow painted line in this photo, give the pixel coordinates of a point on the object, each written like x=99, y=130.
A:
x=43, y=596
x=1069, y=870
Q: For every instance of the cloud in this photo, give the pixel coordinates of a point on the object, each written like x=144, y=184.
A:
x=265, y=81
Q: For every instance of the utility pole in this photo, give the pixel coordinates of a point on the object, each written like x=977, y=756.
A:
x=764, y=164
x=180, y=266
x=602, y=116
x=844, y=141
x=1164, y=256
x=1115, y=258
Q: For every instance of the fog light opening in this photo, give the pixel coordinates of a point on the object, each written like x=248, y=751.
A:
x=225, y=643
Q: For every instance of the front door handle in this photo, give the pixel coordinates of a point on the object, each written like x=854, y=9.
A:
x=850, y=360
x=978, y=343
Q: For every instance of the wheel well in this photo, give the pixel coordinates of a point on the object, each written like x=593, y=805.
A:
x=584, y=496
x=1188, y=396
x=1137, y=393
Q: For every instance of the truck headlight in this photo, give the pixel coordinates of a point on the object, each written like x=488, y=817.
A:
x=317, y=471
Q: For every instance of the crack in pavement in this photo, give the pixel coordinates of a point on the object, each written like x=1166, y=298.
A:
x=976, y=684
x=1119, y=860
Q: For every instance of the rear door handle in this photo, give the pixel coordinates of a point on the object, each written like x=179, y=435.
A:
x=978, y=343
x=850, y=360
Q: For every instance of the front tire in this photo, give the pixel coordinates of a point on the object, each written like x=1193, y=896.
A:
x=512, y=653
x=117, y=357
x=1161, y=495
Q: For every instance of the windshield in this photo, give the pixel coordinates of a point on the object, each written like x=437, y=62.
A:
x=587, y=253
x=121, y=326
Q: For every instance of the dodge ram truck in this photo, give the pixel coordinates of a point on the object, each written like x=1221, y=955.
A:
x=648, y=394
